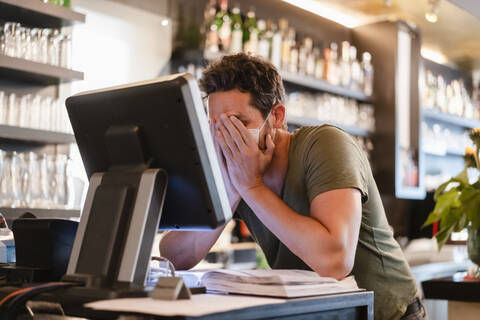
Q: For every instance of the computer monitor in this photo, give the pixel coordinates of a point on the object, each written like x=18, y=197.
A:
x=130, y=136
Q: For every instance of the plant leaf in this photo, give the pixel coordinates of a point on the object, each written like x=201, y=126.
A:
x=445, y=202
x=442, y=236
x=440, y=190
x=463, y=176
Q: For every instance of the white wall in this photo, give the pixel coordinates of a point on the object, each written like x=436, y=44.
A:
x=118, y=44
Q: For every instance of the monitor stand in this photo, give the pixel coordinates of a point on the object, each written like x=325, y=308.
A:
x=119, y=221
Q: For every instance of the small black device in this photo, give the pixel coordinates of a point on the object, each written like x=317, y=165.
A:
x=42, y=249
x=133, y=139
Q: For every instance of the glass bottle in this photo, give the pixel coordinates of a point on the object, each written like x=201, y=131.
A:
x=345, y=71
x=333, y=69
x=250, y=32
x=264, y=39
x=311, y=58
x=356, y=71
x=304, y=52
x=276, y=50
x=367, y=69
x=293, y=60
x=208, y=17
x=319, y=63
x=286, y=43
x=237, y=32
x=326, y=63
x=224, y=26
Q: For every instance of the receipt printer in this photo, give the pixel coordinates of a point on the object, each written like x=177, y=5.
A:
x=42, y=248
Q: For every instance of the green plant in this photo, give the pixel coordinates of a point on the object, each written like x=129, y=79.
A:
x=457, y=200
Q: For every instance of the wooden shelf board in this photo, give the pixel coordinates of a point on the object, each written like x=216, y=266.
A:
x=14, y=213
x=27, y=135
x=304, y=121
x=318, y=84
x=35, y=72
x=450, y=119
x=36, y=13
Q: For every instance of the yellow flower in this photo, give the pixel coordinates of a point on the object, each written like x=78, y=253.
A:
x=469, y=150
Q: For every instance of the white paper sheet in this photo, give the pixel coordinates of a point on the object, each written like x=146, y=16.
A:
x=198, y=305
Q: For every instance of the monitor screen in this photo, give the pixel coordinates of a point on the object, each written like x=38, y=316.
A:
x=175, y=135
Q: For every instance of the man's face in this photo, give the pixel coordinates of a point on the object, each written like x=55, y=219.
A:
x=238, y=104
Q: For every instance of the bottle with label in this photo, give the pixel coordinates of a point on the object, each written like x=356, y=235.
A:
x=304, y=52
x=276, y=47
x=326, y=63
x=319, y=63
x=264, y=37
x=333, y=66
x=345, y=71
x=250, y=32
x=293, y=63
x=356, y=70
x=237, y=32
x=7, y=242
x=224, y=26
x=367, y=69
x=311, y=58
x=208, y=19
x=286, y=43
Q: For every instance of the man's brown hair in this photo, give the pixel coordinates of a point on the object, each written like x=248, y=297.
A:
x=245, y=73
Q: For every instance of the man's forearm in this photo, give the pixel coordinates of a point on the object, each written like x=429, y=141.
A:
x=306, y=237
x=187, y=248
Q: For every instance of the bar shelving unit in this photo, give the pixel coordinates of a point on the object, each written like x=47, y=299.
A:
x=31, y=75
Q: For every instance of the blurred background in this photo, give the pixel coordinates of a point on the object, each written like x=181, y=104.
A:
x=401, y=76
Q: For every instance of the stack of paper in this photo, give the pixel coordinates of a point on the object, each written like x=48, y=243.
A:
x=275, y=283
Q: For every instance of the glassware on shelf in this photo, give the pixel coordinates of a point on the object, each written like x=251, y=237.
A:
x=48, y=46
x=330, y=108
x=440, y=140
x=31, y=180
x=452, y=98
x=33, y=111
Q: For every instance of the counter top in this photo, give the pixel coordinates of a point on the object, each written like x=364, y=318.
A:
x=452, y=288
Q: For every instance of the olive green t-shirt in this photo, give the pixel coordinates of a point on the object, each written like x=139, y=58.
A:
x=326, y=158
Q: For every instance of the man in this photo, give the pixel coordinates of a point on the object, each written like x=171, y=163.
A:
x=308, y=198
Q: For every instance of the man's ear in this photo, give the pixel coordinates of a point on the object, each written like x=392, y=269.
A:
x=278, y=116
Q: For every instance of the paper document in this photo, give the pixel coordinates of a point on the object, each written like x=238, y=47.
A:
x=198, y=305
x=276, y=283
x=273, y=283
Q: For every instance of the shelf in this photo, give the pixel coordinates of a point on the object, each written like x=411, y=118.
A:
x=317, y=84
x=448, y=152
x=36, y=13
x=450, y=119
x=14, y=213
x=27, y=135
x=308, y=82
x=35, y=72
x=303, y=121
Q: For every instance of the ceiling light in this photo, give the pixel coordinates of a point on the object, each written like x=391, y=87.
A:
x=433, y=55
x=432, y=11
x=329, y=11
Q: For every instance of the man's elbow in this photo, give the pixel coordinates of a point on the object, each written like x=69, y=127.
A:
x=338, y=266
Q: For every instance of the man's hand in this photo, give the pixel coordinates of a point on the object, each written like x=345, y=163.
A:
x=246, y=163
x=232, y=193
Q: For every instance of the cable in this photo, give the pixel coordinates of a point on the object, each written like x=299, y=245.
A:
x=170, y=264
x=12, y=301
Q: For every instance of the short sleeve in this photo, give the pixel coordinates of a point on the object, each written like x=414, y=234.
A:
x=333, y=160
